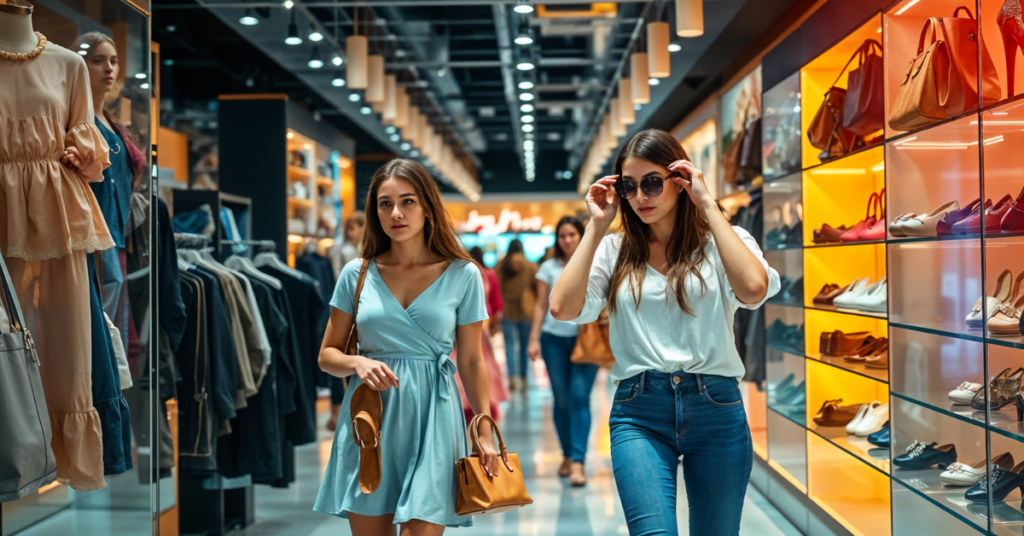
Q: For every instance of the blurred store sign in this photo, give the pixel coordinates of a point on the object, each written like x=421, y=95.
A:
x=507, y=221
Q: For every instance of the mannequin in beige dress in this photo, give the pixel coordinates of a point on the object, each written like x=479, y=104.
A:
x=50, y=150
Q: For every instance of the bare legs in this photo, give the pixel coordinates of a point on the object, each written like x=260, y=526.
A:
x=384, y=526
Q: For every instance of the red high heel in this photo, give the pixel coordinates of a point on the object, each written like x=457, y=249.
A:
x=876, y=231
x=1011, y=27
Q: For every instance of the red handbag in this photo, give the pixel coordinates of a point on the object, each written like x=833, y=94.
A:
x=961, y=91
x=864, y=110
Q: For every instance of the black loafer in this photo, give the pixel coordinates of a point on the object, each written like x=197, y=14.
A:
x=881, y=437
x=924, y=455
x=1003, y=482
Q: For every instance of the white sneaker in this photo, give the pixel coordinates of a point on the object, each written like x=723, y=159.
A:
x=964, y=393
x=861, y=413
x=961, y=474
x=875, y=298
x=846, y=299
x=873, y=421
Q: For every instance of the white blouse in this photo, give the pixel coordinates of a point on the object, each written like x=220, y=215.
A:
x=658, y=335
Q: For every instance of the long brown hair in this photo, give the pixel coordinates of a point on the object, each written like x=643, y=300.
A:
x=508, y=268
x=685, y=251
x=438, y=231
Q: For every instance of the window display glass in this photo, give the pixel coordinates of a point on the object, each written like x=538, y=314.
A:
x=781, y=122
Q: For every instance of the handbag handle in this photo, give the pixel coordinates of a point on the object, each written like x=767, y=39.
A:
x=931, y=24
x=474, y=437
x=969, y=14
x=351, y=346
x=14, y=315
x=863, y=50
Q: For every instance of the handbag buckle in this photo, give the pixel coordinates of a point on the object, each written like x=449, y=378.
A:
x=31, y=345
x=359, y=438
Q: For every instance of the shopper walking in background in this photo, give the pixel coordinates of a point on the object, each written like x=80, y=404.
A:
x=672, y=281
x=554, y=340
x=517, y=278
x=421, y=292
x=495, y=302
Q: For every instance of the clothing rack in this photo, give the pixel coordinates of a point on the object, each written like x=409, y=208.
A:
x=191, y=241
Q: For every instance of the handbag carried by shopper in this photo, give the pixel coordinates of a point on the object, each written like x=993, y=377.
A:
x=592, y=344
x=864, y=110
x=483, y=494
x=917, y=103
x=26, y=459
x=962, y=41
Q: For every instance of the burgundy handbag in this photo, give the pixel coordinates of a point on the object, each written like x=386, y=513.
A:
x=864, y=110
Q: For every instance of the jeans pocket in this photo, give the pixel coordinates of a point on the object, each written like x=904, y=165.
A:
x=626, y=392
x=722, y=392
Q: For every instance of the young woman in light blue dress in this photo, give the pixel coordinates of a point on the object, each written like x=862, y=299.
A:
x=422, y=293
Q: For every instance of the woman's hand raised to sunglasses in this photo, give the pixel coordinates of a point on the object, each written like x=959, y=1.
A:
x=603, y=202
x=691, y=179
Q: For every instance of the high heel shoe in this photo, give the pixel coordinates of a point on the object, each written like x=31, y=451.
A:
x=1005, y=293
x=1002, y=390
x=1011, y=27
x=1002, y=481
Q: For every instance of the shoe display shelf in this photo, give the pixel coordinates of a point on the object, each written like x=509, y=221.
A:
x=310, y=164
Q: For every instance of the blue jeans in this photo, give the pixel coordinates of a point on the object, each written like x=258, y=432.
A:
x=517, y=341
x=656, y=418
x=570, y=384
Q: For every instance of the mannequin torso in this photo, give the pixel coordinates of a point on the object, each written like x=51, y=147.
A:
x=16, y=34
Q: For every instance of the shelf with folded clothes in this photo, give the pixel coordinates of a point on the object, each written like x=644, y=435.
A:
x=873, y=456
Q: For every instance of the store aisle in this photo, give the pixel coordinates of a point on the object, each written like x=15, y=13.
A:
x=558, y=509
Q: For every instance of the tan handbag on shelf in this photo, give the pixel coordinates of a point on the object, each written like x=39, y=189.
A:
x=482, y=494
x=917, y=103
x=962, y=41
x=592, y=343
x=826, y=131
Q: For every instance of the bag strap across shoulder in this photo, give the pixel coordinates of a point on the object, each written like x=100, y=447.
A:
x=353, y=339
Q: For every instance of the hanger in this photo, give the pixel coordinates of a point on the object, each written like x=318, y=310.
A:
x=245, y=265
x=271, y=259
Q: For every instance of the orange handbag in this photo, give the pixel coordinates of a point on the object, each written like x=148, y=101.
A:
x=482, y=494
x=592, y=344
x=917, y=103
x=962, y=40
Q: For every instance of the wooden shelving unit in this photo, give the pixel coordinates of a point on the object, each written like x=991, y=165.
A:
x=307, y=162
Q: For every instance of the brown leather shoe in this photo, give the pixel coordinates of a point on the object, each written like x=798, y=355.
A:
x=830, y=297
x=832, y=414
x=367, y=411
x=828, y=234
x=878, y=362
x=840, y=344
x=822, y=297
x=871, y=346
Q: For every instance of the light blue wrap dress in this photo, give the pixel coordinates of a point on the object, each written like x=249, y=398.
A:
x=423, y=428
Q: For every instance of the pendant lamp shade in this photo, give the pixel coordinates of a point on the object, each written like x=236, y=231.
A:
x=401, y=107
x=390, y=99
x=658, y=57
x=414, y=125
x=356, y=69
x=421, y=132
x=626, y=113
x=428, y=144
x=689, y=18
x=378, y=107
x=641, y=87
x=375, y=78
x=611, y=140
x=618, y=128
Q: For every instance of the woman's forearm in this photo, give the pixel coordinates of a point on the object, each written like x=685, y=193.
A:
x=336, y=363
x=539, y=311
x=570, y=291
x=473, y=371
x=747, y=276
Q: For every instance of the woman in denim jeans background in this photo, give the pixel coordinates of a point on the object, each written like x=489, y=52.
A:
x=516, y=275
x=554, y=340
x=672, y=281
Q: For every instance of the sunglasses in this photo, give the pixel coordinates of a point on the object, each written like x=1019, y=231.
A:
x=652, y=186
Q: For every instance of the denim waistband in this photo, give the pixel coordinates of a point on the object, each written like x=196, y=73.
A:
x=674, y=380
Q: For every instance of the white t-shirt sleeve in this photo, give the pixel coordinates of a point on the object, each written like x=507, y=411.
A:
x=774, y=283
x=546, y=273
x=597, y=283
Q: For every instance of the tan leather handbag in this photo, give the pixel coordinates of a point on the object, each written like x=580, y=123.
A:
x=826, y=131
x=592, y=343
x=482, y=494
x=917, y=103
x=962, y=41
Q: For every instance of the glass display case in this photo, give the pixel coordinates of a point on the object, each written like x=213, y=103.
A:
x=781, y=140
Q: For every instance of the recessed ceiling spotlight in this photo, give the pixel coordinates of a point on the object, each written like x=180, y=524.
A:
x=338, y=81
x=527, y=108
x=288, y=4
x=395, y=137
x=84, y=45
x=566, y=174
x=293, y=33
x=140, y=76
x=144, y=85
x=528, y=145
x=315, y=36
x=527, y=119
x=248, y=19
x=441, y=72
x=414, y=153
x=524, y=39
x=366, y=110
x=526, y=96
x=525, y=66
x=405, y=146
x=390, y=130
x=83, y=52
x=523, y=7
x=526, y=84
x=354, y=97
x=637, y=107
x=654, y=81
x=674, y=47
x=527, y=128
x=336, y=60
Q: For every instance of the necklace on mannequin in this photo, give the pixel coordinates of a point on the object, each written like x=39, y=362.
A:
x=26, y=55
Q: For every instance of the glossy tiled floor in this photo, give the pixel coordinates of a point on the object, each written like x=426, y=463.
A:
x=558, y=509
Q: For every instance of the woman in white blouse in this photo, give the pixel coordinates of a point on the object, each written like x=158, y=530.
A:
x=672, y=281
